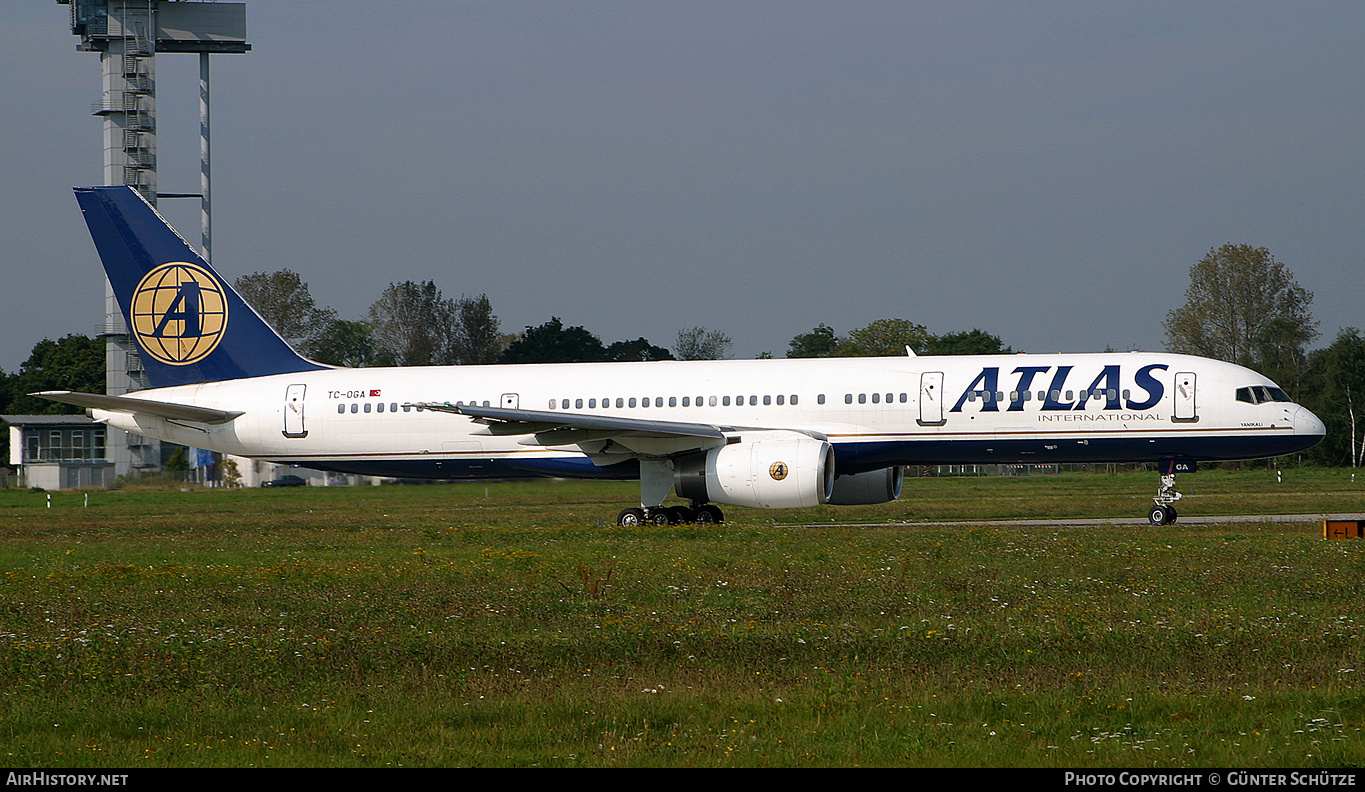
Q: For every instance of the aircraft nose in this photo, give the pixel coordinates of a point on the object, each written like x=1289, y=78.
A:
x=1306, y=423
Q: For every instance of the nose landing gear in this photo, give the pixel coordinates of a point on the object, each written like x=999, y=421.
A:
x=1163, y=513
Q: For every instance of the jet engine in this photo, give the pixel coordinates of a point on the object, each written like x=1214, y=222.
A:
x=768, y=470
x=874, y=486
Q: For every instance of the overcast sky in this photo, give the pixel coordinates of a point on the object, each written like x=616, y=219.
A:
x=1047, y=172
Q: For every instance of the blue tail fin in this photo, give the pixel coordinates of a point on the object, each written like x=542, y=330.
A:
x=189, y=324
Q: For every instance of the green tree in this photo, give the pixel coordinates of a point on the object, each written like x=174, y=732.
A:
x=74, y=363
x=639, y=349
x=1245, y=307
x=884, y=338
x=414, y=325
x=819, y=342
x=698, y=343
x=477, y=339
x=970, y=342
x=1336, y=393
x=350, y=344
x=552, y=342
x=283, y=300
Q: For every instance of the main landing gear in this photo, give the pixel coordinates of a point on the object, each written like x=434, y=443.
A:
x=698, y=513
x=1163, y=513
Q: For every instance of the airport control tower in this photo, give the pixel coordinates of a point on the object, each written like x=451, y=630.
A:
x=128, y=34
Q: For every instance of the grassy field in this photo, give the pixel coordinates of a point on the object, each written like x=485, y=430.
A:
x=503, y=625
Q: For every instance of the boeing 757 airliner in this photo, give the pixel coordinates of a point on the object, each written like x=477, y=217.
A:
x=755, y=433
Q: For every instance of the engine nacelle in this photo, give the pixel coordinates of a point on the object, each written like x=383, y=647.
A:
x=874, y=486
x=767, y=470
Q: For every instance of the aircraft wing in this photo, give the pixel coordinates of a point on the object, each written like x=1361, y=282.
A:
x=556, y=428
x=127, y=404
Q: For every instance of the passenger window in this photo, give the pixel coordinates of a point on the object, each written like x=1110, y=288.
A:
x=393, y=407
x=876, y=398
x=710, y=402
x=820, y=399
x=673, y=401
x=341, y=409
x=767, y=400
x=632, y=401
x=355, y=408
x=779, y=400
x=793, y=398
x=725, y=401
x=552, y=404
x=620, y=402
x=848, y=398
x=380, y=407
x=367, y=406
x=862, y=398
x=658, y=401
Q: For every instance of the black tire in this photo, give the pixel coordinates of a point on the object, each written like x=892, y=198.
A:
x=1158, y=515
x=681, y=515
x=709, y=515
x=1171, y=516
x=631, y=517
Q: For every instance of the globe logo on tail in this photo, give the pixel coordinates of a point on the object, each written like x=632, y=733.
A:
x=179, y=313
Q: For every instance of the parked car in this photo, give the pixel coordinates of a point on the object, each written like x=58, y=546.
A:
x=286, y=481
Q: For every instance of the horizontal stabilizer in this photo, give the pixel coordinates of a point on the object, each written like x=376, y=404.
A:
x=126, y=404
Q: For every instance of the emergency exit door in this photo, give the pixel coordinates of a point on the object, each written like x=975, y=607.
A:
x=1186, y=403
x=293, y=411
x=931, y=398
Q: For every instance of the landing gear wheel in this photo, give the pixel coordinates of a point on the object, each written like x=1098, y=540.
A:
x=631, y=517
x=659, y=516
x=709, y=515
x=1170, y=515
x=680, y=515
x=1159, y=515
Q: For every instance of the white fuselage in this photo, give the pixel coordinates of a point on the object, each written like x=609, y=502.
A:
x=875, y=412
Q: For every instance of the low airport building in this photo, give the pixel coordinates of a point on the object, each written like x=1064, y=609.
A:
x=58, y=452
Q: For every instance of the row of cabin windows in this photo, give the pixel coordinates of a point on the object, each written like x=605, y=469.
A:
x=1253, y=396
x=1056, y=395
x=380, y=407
x=622, y=402
x=876, y=398
x=674, y=401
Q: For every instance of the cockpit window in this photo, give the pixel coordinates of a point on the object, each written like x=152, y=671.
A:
x=1260, y=394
